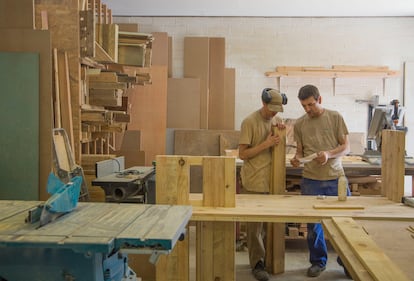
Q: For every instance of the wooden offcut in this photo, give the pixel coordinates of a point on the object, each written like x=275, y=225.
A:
x=393, y=165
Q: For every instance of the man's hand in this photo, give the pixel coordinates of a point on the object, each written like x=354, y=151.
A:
x=272, y=140
x=322, y=157
x=295, y=162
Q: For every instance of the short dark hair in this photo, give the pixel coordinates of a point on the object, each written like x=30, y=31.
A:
x=308, y=91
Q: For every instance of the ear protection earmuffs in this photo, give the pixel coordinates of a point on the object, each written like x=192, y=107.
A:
x=267, y=97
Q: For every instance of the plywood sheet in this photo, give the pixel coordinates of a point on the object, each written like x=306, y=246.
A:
x=19, y=122
x=196, y=65
x=17, y=14
x=201, y=142
x=216, y=105
x=149, y=113
x=183, y=108
x=160, y=49
x=24, y=40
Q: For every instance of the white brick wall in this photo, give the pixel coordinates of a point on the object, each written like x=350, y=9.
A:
x=257, y=45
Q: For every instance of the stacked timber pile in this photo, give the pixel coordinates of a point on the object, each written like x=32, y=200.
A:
x=135, y=48
x=112, y=62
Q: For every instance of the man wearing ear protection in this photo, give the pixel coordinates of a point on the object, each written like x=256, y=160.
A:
x=255, y=149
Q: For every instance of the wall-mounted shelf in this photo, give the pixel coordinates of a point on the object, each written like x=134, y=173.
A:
x=336, y=71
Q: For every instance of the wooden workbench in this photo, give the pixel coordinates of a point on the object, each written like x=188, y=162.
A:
x=173, y=177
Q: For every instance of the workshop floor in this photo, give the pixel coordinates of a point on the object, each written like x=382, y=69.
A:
x=296, y=264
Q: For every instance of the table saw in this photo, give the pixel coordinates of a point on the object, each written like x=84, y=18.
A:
x=128, y=185
x=88, y=244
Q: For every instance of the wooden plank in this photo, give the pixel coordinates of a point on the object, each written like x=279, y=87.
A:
x=219, y=181
x=336, y=71
x=275, y=247
x=106, y=77
x=37, y=41
x=229, y=98
x=344, y=250
x=17, y=14
x=107, y=37
x=338, y=206
x=392, y=168
x=397, y=244
x=380, y=266
x=216, y=247
x=56, y=105
x=203, y=142
x=183, y=103
x=160, y=49
x=105, y=97
x=279, y=163
x=298, y=208
x=196, y=65
x=149, y=113
x=216, y=109
x=128, y=27
x=173, y=187
x=65, y=96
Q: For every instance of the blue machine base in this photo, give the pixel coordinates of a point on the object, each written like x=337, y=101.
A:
x=39, y=264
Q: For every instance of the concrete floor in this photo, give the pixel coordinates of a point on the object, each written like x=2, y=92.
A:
x=296, y=264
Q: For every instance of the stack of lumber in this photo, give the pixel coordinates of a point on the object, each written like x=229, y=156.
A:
x=105, y=89
x=135, y=48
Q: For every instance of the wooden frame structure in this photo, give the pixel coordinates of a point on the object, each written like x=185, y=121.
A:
x=218, y=208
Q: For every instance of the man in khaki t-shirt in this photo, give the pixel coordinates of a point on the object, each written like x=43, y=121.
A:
x=323, y=133
x=255, y=144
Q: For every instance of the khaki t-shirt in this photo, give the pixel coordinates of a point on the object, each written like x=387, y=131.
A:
x=321, y=134
x=255, y=173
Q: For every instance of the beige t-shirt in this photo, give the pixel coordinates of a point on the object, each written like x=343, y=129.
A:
x=321, y=134
x=255, y=173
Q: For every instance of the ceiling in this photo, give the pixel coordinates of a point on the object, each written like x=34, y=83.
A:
x=262, y=8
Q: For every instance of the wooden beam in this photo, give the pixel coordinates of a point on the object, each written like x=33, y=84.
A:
x=379, y=265
x=393, y=164
x=275, y=245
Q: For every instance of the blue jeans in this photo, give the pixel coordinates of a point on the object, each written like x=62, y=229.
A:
x=318, y=253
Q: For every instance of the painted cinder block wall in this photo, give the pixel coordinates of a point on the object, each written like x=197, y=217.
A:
x=256, y=45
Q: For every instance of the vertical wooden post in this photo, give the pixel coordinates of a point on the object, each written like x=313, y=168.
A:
x=215, y=240
x=393, y=164
x=275, y=244
x=173, y=187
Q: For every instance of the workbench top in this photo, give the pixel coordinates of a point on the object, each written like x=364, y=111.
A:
x=97, y=227
x=300, y=208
